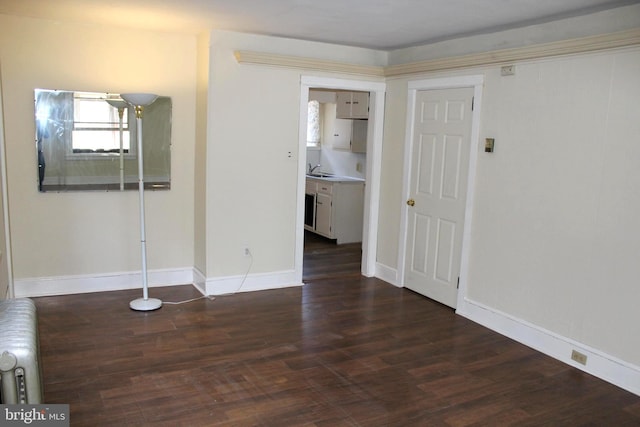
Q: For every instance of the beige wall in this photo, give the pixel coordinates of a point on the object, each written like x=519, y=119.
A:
x=253, y=151
x=93, y=233
x=200, y=166
x=555, y=234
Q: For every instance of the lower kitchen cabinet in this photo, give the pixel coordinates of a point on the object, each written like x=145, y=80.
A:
x=324, y=208
x=339, y=209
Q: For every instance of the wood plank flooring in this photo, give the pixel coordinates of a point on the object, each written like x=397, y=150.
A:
x=324, y=259
x=339, y=351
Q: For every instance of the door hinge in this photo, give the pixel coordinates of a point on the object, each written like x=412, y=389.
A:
x=473, y=99
x=458, y=285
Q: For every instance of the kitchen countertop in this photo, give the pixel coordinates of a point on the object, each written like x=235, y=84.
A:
x=334, y=178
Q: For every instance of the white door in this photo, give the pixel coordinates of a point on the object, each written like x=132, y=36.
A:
x=437, y=192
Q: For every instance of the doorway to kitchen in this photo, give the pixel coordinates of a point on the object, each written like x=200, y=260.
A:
x=324, y=259
x=337, y=123
x=370, y=166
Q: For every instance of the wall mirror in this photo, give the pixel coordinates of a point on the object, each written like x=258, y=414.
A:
x=83, y=143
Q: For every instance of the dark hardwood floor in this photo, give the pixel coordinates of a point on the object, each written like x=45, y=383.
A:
x=324, y=259
x=343, y=350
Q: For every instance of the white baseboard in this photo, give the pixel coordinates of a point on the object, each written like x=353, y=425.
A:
x=599, y=364
x=387, y=274
x=248, y=283
x=63, y=285
x=199, y=281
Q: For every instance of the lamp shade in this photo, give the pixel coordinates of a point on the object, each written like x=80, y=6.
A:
x=142, y=99
x=117, y=103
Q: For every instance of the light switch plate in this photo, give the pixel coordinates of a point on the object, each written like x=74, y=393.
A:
x=488, y=145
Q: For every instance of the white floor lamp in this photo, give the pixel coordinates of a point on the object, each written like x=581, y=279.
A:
x=139, y=101
x=120, y=106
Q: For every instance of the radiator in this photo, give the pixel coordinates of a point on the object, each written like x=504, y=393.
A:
x=20, y=372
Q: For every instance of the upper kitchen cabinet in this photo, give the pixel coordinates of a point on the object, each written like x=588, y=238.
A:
x=352, y=105
x=342, y=134
x=350, y=135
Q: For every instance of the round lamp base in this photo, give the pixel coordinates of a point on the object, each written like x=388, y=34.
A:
x=148, y=304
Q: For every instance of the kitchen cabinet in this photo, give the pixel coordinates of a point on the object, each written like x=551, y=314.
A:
x=350, y=135
x=352, y=105
x=339, y=208
x=323, y=214
x=359, y=136
x=342, y=134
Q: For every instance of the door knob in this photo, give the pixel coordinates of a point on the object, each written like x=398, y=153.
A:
x=411, y=202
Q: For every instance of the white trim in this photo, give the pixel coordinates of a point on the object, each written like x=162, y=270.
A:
x=199, y=281
x=604, y=366
x=297, y=62
x=63, y=285
x=388, y=274
x=476, y=82
x=374, y=165
x=302, y=174
x=344, y=84
x=372, y=182
x=249, y=283
x=6, y=245
x=599, y=42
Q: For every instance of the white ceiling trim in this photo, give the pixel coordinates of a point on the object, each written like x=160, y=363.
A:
x=545, y=50
x=565, y=47
x=260, y=58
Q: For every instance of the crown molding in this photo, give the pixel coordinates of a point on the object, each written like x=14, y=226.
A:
x=565, y=47
x=260, y=58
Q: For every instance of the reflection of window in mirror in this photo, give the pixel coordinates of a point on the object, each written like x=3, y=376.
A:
x=78, y=142
x=96, y=126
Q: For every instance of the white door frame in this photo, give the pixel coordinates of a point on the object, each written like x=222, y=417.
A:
x=5, y=247
x=476, y=82
x=374, y=161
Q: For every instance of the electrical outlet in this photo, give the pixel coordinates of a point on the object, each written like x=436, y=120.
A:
x=576, y=356
x=246, y=251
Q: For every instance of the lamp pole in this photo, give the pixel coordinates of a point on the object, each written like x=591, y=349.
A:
x=139, y=101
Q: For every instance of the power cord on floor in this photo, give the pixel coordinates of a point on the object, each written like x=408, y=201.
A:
x=246, y=274
x=211, y=297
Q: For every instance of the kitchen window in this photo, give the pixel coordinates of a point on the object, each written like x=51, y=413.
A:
x=313, y=124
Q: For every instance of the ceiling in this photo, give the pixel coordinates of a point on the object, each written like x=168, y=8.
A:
x=376, y=24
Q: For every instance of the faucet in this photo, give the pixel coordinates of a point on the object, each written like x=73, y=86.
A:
x=311, y=169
